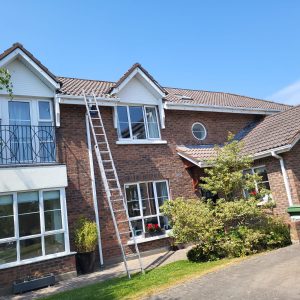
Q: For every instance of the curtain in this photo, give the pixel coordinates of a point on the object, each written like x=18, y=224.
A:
x=152, y=122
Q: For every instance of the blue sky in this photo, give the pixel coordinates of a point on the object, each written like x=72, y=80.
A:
x=245, y=47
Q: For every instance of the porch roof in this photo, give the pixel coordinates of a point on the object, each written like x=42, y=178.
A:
x=279, y=132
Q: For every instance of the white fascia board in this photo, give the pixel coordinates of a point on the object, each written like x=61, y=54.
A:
x=216, y=108
x=19, y=52
x=78, y=100
x=144, y=76
x=267, y=153
x=200, y=164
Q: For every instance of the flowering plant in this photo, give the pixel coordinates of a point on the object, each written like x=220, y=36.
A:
x=153, y=228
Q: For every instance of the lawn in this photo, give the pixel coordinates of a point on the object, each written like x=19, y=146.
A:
x=142, y=285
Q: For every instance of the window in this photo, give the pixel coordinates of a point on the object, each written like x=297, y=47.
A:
x=143, y=202
x=32, y=225
x=263, y=184
x=27, y=132
x=138, y=122
x=199, y=131
x=46, y=133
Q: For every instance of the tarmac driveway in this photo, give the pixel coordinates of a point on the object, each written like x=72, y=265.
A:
x=274, y=275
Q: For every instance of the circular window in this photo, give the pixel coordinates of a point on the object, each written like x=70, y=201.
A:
x=199, y=131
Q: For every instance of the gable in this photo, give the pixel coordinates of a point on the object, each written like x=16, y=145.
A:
x=135, y=91
x=25, y=82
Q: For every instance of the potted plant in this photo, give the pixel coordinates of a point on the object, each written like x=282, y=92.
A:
x=85, y=242
x=153, y=229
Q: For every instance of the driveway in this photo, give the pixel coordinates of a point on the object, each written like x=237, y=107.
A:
x=275, y=275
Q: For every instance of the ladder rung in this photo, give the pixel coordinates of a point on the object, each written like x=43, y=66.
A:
x=101, y=151
x=93, y=110
x=109, y=170
x=119, y=210
x=125, y=232
x=132, y=255
x=116, y=200
x=114, y=189
x=124, y=221
x=107, y=161
x=101, y=143
x=95, y=119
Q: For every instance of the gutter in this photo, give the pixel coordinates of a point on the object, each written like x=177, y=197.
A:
x=95, y=200
x=218, y=108
x=285, y=177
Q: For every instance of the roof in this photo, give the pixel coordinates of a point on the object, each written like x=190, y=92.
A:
x=31, y=56
x=74, y=86
x=278, y=130
x=274, y=131
x=220, y=99
x=135, y=66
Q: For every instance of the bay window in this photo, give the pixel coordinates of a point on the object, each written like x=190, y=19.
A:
x=138, y=122
x=33, y=226
x=143, y=203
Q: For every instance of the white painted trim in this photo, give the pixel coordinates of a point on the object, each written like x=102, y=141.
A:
x=200, y=164
x=133, y=74
x=285, y=178
x=141, y=142
x=140, y=240
x=57, y=111
x=36, y=259
x=18, y=52
x=16, y=238
x=95, y=200
x=217, y=108
x=205, y=131
x=268, y=152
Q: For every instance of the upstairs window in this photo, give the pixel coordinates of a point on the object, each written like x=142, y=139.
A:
x=138, y=122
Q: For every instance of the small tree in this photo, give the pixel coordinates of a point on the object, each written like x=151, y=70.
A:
x=225, y=176
x=5, y=82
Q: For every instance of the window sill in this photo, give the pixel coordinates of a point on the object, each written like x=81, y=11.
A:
x=141, y=142
x=140, y=240
x=35, y=259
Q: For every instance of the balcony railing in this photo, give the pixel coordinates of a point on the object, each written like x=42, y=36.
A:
x=25, y=144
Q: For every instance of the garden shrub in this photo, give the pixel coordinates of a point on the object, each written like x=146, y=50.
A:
x=224, y=229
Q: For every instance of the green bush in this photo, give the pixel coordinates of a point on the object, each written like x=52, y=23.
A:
x=85, y=235
x=224, y=229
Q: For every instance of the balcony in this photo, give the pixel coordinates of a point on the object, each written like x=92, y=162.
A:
x=26, y=144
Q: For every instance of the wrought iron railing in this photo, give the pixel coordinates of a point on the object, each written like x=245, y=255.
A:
x=25, y=144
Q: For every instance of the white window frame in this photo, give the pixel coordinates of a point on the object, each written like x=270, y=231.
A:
x=43, y=233
x=255, y=182
x=142, y=217
x=145, y=122
x=34, y=117
x=205, y=131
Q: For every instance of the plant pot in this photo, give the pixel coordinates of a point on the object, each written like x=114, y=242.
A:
x=151, y=234
x=86, y=262
x=33, y=284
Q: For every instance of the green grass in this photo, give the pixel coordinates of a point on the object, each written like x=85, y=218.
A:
x=142, y=285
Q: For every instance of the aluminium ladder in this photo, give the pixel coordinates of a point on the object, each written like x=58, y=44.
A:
x=111, y=182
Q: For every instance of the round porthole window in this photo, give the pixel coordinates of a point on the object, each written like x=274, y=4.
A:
x=199, y=131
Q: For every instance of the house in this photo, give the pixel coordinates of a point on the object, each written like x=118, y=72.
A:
x=160, y=138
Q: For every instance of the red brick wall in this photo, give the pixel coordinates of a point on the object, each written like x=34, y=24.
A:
x=56, y=266
x=133, y=162
x=154, y=162
x=292, y=165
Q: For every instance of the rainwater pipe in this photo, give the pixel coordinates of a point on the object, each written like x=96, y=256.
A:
x=95, y=201
x=285, y=177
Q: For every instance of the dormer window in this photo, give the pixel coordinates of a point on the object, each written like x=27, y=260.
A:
x=137, y=122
